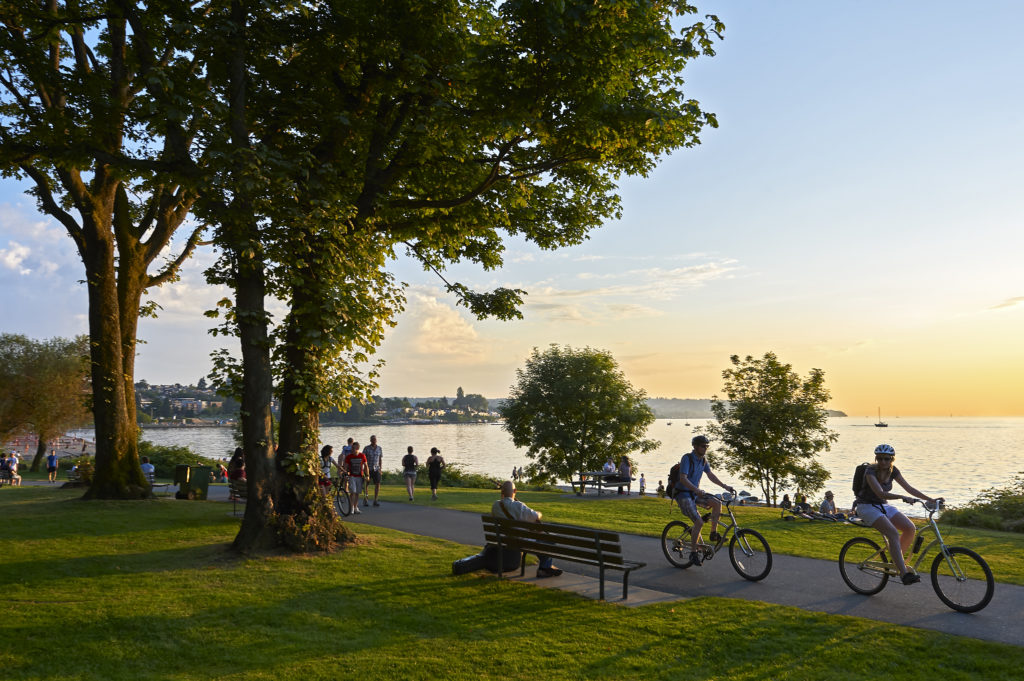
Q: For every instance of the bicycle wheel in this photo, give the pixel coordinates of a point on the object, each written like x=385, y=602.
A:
x=342, y=502
x=750, y=555
x=964, y=582
x=862, y=565
x=675, y=542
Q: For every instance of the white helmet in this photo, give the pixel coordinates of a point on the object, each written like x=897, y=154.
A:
x=885, y=449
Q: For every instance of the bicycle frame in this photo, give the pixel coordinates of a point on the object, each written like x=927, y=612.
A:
x=889, y=567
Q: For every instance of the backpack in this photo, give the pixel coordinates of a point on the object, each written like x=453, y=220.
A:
x=673, y=478
x=860, y=486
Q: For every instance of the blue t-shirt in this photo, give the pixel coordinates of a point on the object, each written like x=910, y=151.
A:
x=51, y=461
x=693, y=470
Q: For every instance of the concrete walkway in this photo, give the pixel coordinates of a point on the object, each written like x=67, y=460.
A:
x=806, y=583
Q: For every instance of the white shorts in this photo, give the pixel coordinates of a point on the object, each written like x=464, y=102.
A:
x=355, y=485
x=869, y=513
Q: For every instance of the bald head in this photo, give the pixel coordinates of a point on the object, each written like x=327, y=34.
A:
x=508, y=489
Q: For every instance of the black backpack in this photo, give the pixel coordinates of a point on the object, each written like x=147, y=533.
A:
x=861, y=490
x=673, y=478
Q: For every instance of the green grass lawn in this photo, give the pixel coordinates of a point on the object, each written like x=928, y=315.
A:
x=1004, y=551
x=149, y=590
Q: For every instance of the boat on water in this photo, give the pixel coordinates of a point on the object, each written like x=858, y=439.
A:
x=881, y=423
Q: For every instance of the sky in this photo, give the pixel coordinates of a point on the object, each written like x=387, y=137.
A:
x=859, y=210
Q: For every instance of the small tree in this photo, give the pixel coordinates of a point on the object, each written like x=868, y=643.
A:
x=772, y=424
x=572, y=409
x=44, y=387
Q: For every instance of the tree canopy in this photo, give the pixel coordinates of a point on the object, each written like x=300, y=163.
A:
x=771, y=425
x=572, y=409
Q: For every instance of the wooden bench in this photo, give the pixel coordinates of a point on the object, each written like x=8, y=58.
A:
x=238, y=490
x=584, y=545
x=599, y=481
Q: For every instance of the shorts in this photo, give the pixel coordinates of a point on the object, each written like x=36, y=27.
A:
x=869, y=513
x=375, y=477
x=410, y=474
x=688, y=505
x=355, y=485
x=51, y=469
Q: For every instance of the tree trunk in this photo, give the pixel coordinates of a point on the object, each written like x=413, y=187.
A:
x=40, y=453
x=116, y=445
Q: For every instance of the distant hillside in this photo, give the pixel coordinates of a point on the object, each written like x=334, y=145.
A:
x=674, y=408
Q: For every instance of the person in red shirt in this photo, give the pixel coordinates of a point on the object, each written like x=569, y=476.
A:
x=355, y=464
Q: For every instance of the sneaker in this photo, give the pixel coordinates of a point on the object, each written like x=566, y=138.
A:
x=548, y=572
x=911, y=578
x=376, y=503
x=410, y=498
x=366, y=502
x=715, y=537
x=356, y=510
x=695, y=559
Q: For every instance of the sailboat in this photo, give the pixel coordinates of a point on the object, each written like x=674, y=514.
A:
x=881, y=423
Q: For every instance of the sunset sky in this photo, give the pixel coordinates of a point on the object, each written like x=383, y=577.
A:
x=860, y=210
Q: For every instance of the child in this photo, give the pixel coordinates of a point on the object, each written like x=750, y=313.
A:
x=661, y=490
x=643, y=485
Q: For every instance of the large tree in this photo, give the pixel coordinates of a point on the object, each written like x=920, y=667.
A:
x=44, y=387
x=434, y=128
x=572, y=409
x=771, y=424
x=97, y=112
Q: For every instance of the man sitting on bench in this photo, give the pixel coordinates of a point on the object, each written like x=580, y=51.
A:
x=508, y=507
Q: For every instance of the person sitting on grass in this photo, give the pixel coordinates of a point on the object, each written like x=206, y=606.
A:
x=508, y=507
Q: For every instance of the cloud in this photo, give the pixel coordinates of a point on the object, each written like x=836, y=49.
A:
x=14, y=256
x=613, y=301
x=442, y=334
x=1008, y=303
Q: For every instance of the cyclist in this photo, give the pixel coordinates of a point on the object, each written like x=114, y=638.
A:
x=897, y=528
x=326, y=461
x=688, y=493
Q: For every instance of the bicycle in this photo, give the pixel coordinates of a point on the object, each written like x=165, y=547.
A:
x=749, y=552
x=341, y=501
x=961, y=578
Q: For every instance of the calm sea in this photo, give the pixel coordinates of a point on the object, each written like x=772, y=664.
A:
x=951, y=457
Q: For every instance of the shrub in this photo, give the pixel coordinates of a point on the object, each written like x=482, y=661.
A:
x=996, y=508
x=165, y=457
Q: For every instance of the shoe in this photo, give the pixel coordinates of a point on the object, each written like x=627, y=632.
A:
x=715, y=537
x=366, y=502
x=376, y=503
x=356, y=510
x=911, y=578
x=410, y=498
x=433, y=497
x=548, y=572
x=695, y=559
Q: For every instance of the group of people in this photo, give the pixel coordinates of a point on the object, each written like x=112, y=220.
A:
x=364, y=465
x=9, y=469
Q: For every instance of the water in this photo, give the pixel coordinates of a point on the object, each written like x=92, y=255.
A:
x=952, y=458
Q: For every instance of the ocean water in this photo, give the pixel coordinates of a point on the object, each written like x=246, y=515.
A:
x=950, y=457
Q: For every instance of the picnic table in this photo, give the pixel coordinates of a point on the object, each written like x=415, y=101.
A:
x=600, y=480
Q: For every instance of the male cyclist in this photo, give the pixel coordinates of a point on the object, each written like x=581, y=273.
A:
x=689, y=494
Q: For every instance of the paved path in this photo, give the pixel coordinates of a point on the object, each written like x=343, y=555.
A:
x=805, y=583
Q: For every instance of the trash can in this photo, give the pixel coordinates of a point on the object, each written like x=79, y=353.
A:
x=193, y=481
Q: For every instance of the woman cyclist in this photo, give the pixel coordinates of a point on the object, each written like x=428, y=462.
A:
x=897, y=528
